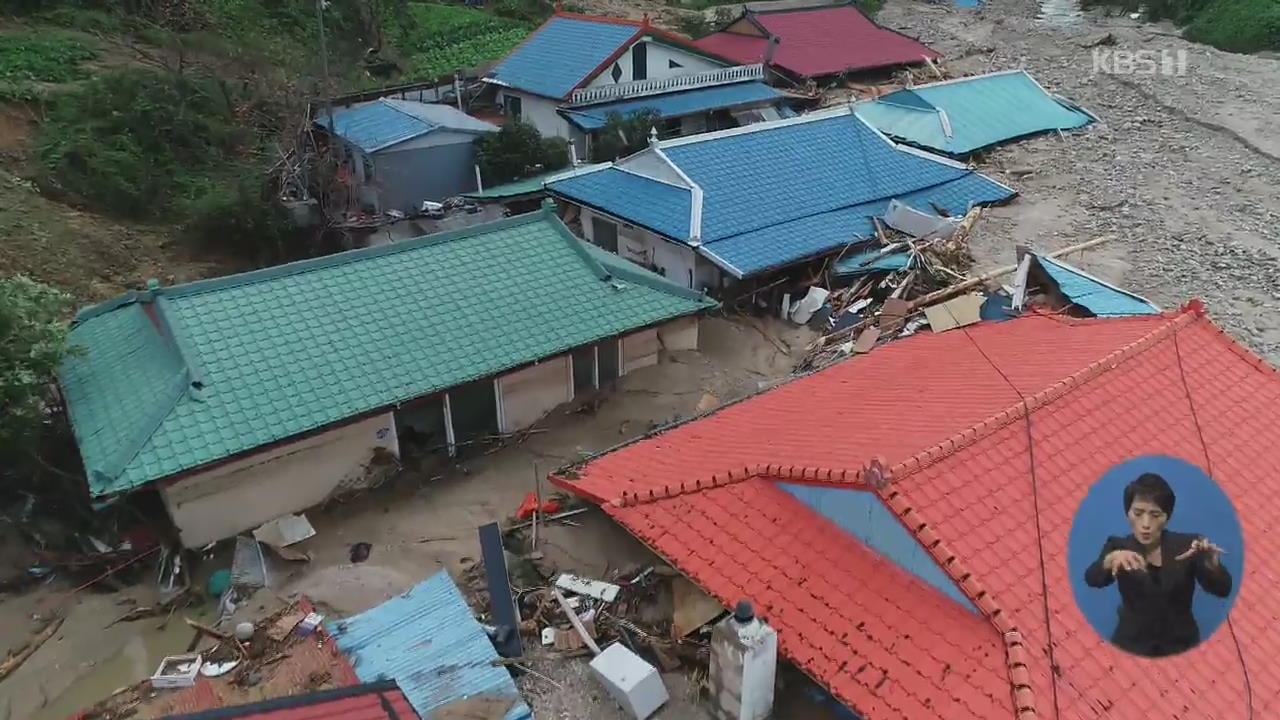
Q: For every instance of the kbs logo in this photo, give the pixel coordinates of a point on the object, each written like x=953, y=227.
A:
x=1140, y=62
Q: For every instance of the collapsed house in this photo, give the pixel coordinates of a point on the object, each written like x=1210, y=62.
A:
x=879, y=513
x=960, y=117
x=719, y=208
x=400, y=152
x=248, y=397
x=574, y=71
x=802, y=44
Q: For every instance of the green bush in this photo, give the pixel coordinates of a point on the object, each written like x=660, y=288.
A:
x=237, y=217
x=128, y=142
x=518, y=151
x=1243, y=26
x=622, y=136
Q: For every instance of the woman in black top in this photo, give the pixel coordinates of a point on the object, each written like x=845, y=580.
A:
x=1156, y=571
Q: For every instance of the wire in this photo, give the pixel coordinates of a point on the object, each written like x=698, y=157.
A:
x=1035, y=504
x=1204, y=447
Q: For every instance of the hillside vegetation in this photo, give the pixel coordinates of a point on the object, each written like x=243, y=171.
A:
x=141, y=138
x=1243, y=26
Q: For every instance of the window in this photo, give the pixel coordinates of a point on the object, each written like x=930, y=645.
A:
x=512, y=104
x=669, y=128
x=672, y=65
x=616, y=73
x=640, y=61
x=604, y=234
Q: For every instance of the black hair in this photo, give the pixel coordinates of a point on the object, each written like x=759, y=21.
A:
x=1152, y=487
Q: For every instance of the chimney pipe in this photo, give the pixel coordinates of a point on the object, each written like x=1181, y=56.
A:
x=769, y=49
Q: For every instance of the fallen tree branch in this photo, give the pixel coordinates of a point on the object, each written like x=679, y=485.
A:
x=14, y=661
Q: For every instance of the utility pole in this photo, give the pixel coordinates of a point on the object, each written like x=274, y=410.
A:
x=324, y=71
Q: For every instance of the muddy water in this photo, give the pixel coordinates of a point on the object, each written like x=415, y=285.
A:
x=137, y=660
x=1060, y=12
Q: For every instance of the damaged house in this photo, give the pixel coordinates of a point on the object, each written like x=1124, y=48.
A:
x=901, y=518
x=574, y=71
x=960, y=117
x=246, y=397
x=720, y=208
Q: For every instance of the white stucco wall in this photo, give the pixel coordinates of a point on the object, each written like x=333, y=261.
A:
x=640, y=349
x=245, y=493
x=678, y=262
x=679, y=334
x=541, y=113
x=530, y=393
x=659, y=57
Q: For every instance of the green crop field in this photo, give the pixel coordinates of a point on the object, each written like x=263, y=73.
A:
x=446, y=38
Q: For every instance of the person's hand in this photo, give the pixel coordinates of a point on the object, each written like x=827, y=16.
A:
x=1205, y=549
x=1128, y=560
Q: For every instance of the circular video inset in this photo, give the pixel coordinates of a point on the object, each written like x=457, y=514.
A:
x=1155, y=556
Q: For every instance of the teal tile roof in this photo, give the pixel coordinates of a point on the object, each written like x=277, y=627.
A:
x=978, y=112
x=180, y=377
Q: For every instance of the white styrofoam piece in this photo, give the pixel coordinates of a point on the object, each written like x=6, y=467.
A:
x=176, y=671
x=597, y=589
x=631, y=682
x=548, y=636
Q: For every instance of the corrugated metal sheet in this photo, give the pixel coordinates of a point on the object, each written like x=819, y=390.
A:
x=672, y=105
x=428, y=642
x=864, y=516
x=376, y=125
x=1098, y=297
x=868, y=261
x=959, y=117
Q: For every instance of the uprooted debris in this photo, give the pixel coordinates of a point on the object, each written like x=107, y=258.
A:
x=926, y=285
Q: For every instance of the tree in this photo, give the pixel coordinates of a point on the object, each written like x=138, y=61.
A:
x=518, y=151
x=33, y=343
x=622, y=136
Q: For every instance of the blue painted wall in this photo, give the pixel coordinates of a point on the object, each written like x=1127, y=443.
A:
x=1202, y=507
x=862, y=515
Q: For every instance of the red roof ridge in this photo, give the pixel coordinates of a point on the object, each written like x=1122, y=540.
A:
x=1186, y=315
x=870, y=476
x=1015, y=652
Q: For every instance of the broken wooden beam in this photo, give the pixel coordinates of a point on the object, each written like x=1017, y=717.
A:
x=14, y=661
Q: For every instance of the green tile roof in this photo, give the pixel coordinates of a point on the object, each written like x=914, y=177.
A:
x=179, y=377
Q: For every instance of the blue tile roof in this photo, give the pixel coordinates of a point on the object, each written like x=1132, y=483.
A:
x=659, y=206
x=777, y=193
x=864, y=516
x=671, y=105
x=559, y=55
x=1094, y=295
x=981, y=111
x=761, y=250
x=376, y=125
x=430, y=644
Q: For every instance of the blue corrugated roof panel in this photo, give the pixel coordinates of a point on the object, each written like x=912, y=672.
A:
x=864, y=516
x=677, y=104
x=869, y=261
x=659, y=206
x=376, y=125
x=777, y=245
x=560, y=54
x=430, y=644
x=1094, y=295
x=980, y=111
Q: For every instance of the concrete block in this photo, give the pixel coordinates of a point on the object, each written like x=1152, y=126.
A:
x=632, y=683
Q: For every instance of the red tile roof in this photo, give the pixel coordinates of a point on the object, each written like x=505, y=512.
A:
x=942, y=409
x=374, y=701
x=819, y=41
